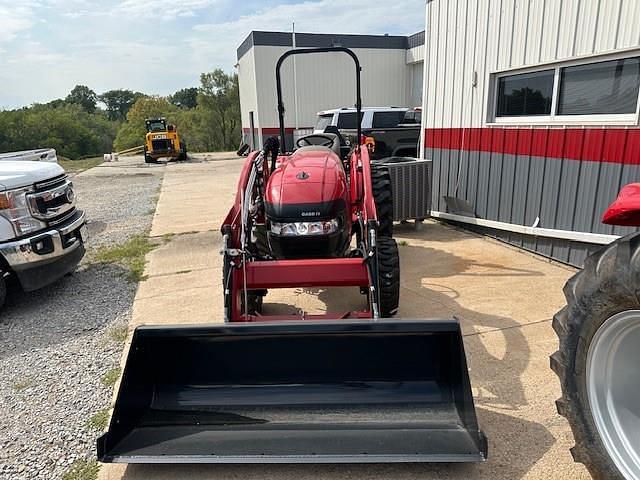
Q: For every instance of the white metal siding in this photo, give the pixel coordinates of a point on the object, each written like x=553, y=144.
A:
x=247, y=88
x=415, y=54
x=467, y=39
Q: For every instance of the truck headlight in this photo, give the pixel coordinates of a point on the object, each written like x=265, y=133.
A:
x=290, y=229
x=14, y=207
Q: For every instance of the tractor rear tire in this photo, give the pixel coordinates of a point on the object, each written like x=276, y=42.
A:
x=388, y=276
x=608, y=285
x=383, y=196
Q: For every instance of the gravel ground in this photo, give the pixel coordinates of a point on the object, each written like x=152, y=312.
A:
x=56, y=343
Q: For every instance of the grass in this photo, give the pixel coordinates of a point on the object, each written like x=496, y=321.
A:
x=79, y=165
x=129, y=254
x=99, y=420
x=82, y=470
x=403, y=243
x=110, y=378
x=118, y=334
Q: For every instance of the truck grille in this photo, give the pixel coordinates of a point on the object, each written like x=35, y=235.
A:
x=53, y=201
x=51, y=183
x=164, y=144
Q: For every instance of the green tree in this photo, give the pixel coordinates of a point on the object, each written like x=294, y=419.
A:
x=83, y=96
x=219, y=101
x=185, y=98
x=132, y=132
x=118, y=102
x=66, y=127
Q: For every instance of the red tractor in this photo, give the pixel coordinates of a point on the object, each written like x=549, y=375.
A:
x=294, y=218
x=598, y=361
x=352, y=386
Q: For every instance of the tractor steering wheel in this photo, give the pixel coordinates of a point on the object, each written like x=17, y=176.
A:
x=324, y=140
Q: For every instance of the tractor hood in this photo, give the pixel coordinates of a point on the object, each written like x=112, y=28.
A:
x=310, y=185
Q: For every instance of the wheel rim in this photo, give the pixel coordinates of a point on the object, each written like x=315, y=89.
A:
x=613, y=385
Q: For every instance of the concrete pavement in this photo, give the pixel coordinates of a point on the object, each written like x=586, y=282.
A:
x=505, y=299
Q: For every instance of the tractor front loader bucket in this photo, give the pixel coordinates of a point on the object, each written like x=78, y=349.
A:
x=295, y=392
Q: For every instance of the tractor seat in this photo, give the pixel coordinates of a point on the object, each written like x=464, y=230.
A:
x=335, y=148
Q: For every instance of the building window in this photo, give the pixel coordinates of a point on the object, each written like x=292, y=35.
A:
x=573, y=91
x=600, y=88
x=525, y=94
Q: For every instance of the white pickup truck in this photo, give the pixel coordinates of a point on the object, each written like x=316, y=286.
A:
x=42, y=233
x=39, y=155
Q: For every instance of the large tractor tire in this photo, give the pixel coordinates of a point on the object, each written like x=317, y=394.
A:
x=598, y=361
x=383, y=196
x=388, y=276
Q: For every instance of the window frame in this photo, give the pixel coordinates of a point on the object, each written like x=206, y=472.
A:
x=554, y=118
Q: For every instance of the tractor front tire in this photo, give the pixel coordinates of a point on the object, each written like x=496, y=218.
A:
x=601, y=299
x=255, y=300
x=388, y=276
x=383, y=196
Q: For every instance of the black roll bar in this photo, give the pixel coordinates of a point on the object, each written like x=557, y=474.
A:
x=299, y=51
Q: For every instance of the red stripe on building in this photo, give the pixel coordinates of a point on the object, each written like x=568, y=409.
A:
x=611, y=145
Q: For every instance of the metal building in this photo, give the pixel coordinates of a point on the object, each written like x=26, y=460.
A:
x=391, y=76
x=531, y=117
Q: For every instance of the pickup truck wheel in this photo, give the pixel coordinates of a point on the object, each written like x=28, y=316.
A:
x=383, y=196
x=599, y=333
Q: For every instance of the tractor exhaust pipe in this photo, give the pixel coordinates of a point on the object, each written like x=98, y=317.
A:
x=299, y=392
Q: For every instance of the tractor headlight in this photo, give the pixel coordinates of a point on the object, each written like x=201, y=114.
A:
x=291, y=229
x=14, y=207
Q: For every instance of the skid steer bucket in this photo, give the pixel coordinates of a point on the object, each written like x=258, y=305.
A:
x=303, y=392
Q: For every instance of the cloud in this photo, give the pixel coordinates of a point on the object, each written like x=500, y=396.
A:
x=216, y=43
x=13, y=20
x=109, y=44
x=155, y=9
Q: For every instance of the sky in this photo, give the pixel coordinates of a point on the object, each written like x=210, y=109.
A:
x=159, y=46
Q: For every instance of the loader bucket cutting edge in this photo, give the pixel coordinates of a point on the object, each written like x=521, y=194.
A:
x=295, y=392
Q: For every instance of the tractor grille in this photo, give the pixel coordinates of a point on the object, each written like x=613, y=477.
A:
x=164, y=144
